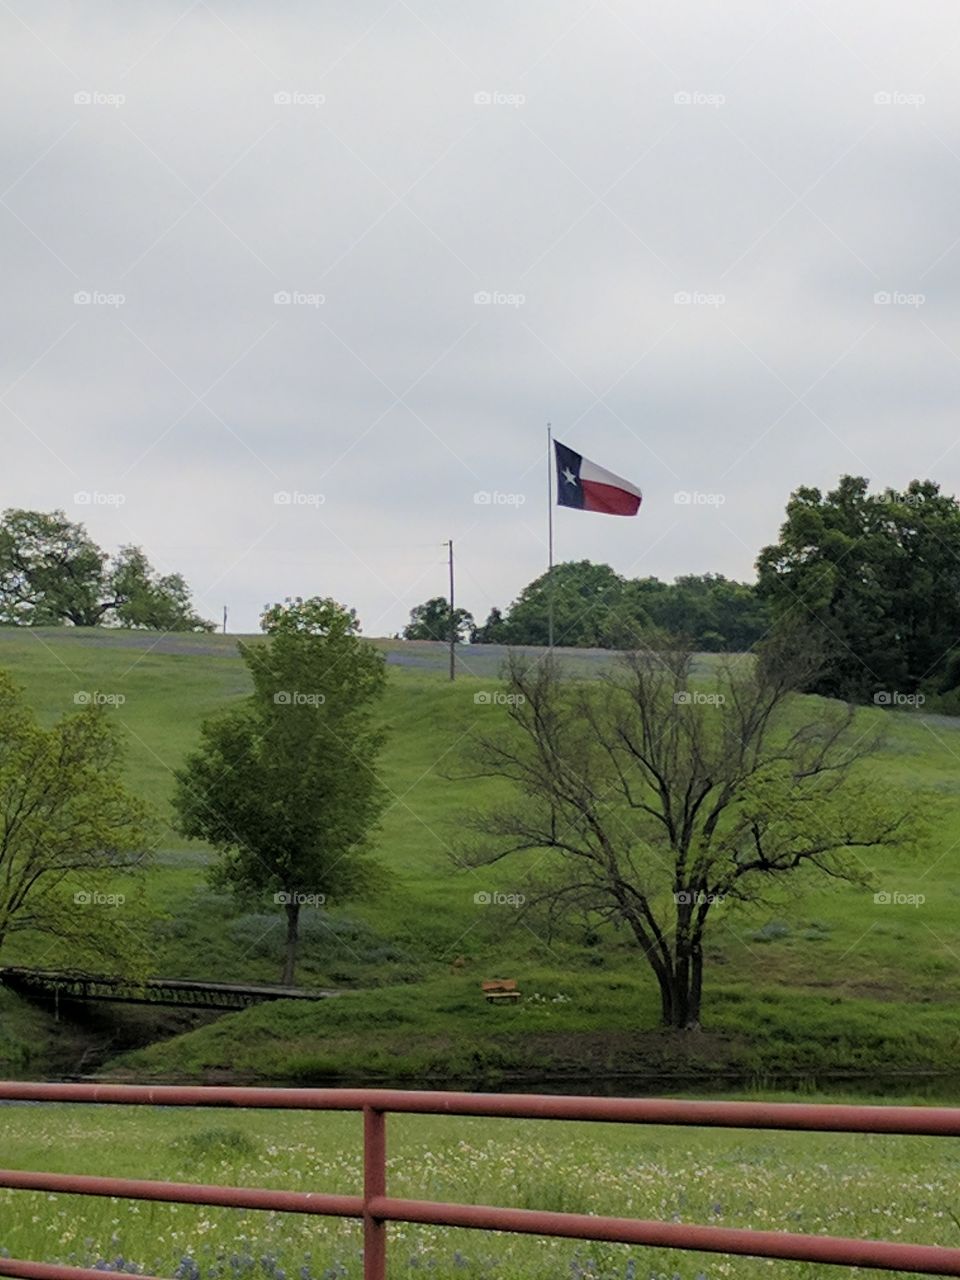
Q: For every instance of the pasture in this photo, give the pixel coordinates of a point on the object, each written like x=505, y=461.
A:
x=881, y=1187
x=818, y=979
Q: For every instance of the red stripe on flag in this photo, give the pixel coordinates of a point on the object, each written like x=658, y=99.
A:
x=608, y=499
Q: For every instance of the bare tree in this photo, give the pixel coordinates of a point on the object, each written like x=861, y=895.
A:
x=662, y=797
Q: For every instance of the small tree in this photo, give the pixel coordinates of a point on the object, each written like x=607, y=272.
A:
x=284, y=786
x=144, y=598
x=492, y=631
x=662, y=800
x=431, y=621
x=67, y=822
x=586, y=601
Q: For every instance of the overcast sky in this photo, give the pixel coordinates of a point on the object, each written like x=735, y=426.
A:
x=382, y=163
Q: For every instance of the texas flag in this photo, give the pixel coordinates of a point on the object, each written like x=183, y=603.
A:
x=582, y=484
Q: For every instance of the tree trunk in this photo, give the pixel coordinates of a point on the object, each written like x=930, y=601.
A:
x=292, y=909
x=696, y=987
x=679, y=972
x=680, y=991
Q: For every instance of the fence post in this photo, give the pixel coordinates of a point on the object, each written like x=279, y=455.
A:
x=374, y=1184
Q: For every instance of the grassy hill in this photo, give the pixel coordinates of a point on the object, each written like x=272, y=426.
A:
x=819, y=979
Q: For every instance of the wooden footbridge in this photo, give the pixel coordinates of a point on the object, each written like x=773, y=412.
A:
x=73, y=985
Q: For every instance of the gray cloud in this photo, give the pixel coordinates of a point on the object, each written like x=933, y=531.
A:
x=625, y=155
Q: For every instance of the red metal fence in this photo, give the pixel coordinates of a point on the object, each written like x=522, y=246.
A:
x=376, y=1208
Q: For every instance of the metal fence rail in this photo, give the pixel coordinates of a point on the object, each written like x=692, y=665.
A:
x=376, y=1208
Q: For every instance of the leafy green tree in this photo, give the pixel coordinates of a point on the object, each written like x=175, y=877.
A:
x=595, y=607
x=586, y=607
x=717, y=615
x=284, y=786
x=741, y=617
x=665, y=803
x=492, y=631
x=67, y=822
x=878, y=576
x=144, y=598
x=50, y=571
x=431, y=621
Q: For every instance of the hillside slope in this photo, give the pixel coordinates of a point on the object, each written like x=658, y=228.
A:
x=819, y=977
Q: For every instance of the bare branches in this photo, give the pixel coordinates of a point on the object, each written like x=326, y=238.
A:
x=663, y=787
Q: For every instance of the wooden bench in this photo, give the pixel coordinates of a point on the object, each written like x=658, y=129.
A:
x=497, y=990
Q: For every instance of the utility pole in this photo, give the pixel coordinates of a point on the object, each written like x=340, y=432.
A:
x=453, y=620
x=224, y=619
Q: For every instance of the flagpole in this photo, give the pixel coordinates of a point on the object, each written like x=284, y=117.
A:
x=550, y=534
x=453, y=620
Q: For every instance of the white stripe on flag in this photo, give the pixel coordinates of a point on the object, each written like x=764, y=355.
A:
x=600, y=475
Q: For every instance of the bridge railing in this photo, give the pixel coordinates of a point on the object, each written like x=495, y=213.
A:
x=376, y=1208
x=76, y=984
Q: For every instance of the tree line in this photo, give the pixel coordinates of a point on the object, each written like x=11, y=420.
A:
x=595, y=607
x=874, y=578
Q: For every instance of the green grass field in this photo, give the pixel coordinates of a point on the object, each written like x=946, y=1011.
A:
x=818, y=980
x=875, y=1187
